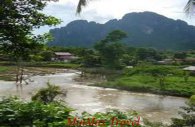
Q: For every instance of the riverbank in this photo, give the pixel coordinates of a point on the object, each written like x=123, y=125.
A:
x=127, y=84
x=8, y=73
x=156, y=79
x=8, y=69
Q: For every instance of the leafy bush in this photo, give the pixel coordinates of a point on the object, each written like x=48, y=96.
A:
x=47, y=95
x=192, y=100
x=14, y=112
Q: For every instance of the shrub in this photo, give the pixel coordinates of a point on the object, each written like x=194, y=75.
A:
x=14, y=112
x=47, y=95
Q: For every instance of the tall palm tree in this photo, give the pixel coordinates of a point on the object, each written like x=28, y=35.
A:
x=80, y=5
x=188, y=8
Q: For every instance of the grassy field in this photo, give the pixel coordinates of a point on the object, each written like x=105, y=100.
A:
x=147, y=79
x=6, y=72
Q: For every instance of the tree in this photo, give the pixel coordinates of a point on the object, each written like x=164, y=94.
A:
x=161, y=81
x=189, y=8
x=18, y=19
x=180, y=55
x=147, y=54
x=47, y=55
x=111, y=50
x=186, y=76
x=90, y=58
x=80, y=4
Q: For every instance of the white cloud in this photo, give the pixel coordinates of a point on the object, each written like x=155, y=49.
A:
x=104, y=10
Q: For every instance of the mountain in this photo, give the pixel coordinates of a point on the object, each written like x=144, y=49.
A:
x=144, y=29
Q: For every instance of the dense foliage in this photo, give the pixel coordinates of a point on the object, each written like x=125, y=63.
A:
x=16, y=113
x=158, y=79
x=110, y=50
x=47, y=95
x=18, y=19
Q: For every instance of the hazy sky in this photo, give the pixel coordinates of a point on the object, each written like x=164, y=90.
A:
x=104, y=10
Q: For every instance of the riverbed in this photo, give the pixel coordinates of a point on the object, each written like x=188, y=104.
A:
x=81, y=97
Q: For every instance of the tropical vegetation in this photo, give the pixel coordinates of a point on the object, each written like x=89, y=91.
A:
x=129, y=68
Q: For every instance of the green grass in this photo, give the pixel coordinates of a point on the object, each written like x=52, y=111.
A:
x=143, y=80
x=173, y=85
x=6, y=72
x=5, y=69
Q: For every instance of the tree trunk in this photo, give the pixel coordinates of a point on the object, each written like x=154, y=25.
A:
x=19, y=73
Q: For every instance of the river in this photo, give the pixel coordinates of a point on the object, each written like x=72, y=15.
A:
x=156, y=108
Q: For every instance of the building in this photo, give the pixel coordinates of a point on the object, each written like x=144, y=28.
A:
x=63, y=56
x=165, y=61
x=186, y=61
x=190, y=68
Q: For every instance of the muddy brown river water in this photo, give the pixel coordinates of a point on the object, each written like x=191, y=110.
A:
x=93, y=99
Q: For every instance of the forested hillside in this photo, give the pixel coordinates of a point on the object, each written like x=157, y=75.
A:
x=145, y=29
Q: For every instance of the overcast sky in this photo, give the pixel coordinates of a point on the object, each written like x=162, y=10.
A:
x=103, y=10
